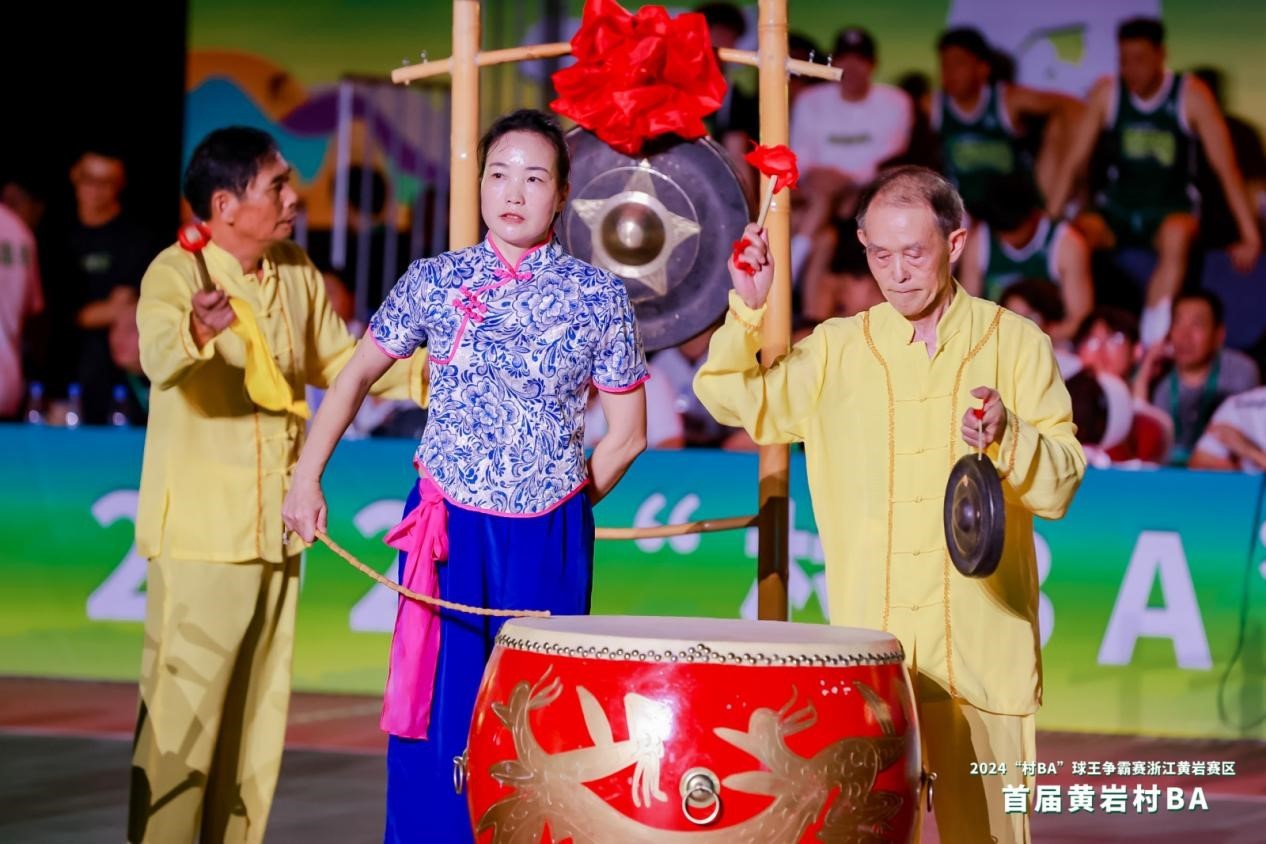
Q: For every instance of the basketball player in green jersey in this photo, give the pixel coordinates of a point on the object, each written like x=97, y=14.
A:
x=1016, y=241
x=1151, y=119
x=979, y=123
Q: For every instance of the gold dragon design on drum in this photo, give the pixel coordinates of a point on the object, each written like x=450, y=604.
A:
x=549, y=788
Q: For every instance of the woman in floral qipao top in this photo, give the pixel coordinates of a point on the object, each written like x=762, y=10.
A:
x=518, y=333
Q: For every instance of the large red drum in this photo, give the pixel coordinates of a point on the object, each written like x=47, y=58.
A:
x=605, y=729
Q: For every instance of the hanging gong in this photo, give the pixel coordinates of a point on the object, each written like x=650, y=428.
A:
x=663, y=222
x=974, y=516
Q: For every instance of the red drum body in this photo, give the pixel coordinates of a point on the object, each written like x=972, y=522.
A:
x=606, y=729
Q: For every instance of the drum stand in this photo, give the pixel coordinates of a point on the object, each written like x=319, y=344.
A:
x=773, y=66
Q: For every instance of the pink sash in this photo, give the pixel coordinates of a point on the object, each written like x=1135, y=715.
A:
x=415, y=645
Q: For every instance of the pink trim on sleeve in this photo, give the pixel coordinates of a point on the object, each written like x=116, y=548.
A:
x=630, y=388
x=385, y=350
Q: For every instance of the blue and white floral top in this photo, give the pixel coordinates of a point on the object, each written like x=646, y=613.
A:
x=513, y=352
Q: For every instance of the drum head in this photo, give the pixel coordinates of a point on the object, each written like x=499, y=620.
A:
x=667, y=639
x=974, y=516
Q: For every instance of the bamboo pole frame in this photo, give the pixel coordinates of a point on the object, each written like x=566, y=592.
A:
x=774, y=556
x=488, y=58
x=463, y=212
x=773, y=66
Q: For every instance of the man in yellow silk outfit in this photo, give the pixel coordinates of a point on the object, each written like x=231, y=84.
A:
x=223, y=580
x=882, y=403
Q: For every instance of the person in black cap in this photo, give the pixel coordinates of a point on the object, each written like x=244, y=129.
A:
x=855, y=127
x=841, y=134
x=981, y=121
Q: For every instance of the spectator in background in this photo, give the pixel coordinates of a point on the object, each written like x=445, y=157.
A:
x=1102, y=412
x=106, y=255
x=1203, y=372
x=21, y=297
x=677, y=367
x=1016, y=240
x=131, y=397
x=802, y=48
x=848, y=130
x=1152, y=118
x=1217, y=222
x=23, y=199
x=1236, y=436
x=737, y=122
x=1107, y=343
x=26, y=196
x=837, y=279
x=980, y=121
x=1038, y=300
x=923, y=149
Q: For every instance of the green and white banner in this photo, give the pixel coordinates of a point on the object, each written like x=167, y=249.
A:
x=1153, y=594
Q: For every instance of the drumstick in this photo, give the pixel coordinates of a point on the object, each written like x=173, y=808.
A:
x=193, y=239
x=979, y=413
x=771, y=188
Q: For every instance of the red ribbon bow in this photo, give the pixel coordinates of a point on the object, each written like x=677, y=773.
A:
x=637, y=77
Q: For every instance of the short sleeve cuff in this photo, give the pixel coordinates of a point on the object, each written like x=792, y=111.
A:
x=392, y=347
x=638, y=381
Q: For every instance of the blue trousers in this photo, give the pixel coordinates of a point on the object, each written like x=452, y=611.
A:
x=539, y=562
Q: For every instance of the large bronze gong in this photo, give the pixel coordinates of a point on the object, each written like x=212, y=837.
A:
x=663, y=222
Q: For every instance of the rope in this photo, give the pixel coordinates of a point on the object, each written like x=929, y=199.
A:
x=660, y=531
x=426, y=599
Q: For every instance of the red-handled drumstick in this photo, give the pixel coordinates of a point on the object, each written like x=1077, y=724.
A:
x=193, y=239
x=979, y=413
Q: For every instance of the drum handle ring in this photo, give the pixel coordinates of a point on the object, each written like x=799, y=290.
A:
x=459, y=772
x=929, y=780
x=700, y=788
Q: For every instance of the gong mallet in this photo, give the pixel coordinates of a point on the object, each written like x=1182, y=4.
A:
x=974, y=513
x=778, y=164
x=193, y=239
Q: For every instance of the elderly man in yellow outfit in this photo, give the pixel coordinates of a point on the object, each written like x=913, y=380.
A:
x=226, y=423
x=882, y=402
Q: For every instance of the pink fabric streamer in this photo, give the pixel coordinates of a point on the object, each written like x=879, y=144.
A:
x=415, y=644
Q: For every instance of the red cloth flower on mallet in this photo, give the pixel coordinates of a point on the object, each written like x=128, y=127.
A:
x=779, y=164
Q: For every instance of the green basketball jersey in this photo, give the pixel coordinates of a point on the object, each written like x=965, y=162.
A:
x=1004, y=265
x=976, y=147
x=1150, y=150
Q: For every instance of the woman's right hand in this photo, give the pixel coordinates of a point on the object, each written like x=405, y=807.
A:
x=303, y=511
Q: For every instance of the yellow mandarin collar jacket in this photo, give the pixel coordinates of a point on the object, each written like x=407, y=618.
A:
x=881, y=427
x=216, y=466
